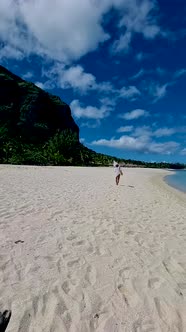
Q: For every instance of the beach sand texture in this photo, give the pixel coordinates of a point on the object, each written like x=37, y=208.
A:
x=79, y=254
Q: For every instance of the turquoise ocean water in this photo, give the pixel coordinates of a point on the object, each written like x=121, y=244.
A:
x=177, y=180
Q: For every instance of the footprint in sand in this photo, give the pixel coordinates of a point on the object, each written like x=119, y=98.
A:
x=139, y=239
x=146, y=325
x=154, y=283
x=25, y=321
x=48, y=312
x=129, y=294
x=73, y=262
x=71, y=237
x=59, y=265
x=177, y=273
x=78, y=243
x=66, y=286
x=91, y=275
x=168, y=315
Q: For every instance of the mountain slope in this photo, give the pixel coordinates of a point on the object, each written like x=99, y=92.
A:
x=29, y=116
x=30, y=113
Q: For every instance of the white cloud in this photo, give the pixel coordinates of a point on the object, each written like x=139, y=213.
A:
x=17, y=42
x=144, y=145
x=130, y=92
x=157, y=91
x=158, y=72
x=133, y=115
x=160, y=91
x=139, y=74
x=143, y=132
x=146, y=131
x=142, y=140
x=110, y=102
x=125, y=129
x=89, y=112
x=72, y=29
x=154, y=89
x=66, y=30
x=75, y=78
x=82, y=140
x=28, y=75
x=40, y=85
x=47, y=85
x=123, y=43
x=179, y=73
x=91, y=124
x=136, y=17
x=163, y=148
x=164, y=132
x=9, y=52
x=139, y=17
x=105, y=87
x=183, y=152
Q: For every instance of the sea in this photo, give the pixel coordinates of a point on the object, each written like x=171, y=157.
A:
x=177, y=180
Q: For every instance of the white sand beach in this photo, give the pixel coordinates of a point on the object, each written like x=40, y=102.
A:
x=79, y=254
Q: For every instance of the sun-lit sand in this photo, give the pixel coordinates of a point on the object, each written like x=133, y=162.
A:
x=79, y=254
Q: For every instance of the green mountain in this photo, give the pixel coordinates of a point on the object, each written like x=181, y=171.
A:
x=29, y=119
x=36, y=128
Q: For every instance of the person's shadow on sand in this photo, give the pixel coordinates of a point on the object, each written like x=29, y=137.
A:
x=4, y=319
x=122, y=185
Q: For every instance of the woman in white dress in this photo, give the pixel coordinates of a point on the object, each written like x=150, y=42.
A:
x=118, y=172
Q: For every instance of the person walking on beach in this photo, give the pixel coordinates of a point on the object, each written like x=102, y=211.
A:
x=118, y=172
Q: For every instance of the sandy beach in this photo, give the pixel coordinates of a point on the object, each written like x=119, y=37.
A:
x=79, y=254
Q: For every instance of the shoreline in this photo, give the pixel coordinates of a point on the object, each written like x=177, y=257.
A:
x=161, y=181
x=174, y=185
x=173, y=191
x=80, y=254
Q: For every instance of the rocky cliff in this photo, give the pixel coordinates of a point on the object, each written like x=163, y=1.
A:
x=29, y=114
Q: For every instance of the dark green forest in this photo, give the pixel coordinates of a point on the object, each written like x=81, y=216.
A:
x=36, y=128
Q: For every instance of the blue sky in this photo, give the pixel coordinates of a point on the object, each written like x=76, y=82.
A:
x=119, y=64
